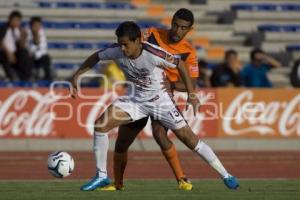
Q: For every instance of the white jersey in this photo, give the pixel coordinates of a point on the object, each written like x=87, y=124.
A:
x=37, y=50
x=146, y=72
x=11, y=37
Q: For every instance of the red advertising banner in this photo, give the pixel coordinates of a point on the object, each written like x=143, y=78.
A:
x=259, y=113
x=52, y=113
x=46, y=113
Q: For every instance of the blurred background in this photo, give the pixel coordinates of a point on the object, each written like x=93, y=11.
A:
x=74, y=29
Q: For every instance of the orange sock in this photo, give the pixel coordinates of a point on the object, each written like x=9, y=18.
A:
x=120, y=162
x=172, y=158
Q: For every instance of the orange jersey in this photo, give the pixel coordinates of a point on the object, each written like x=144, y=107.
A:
x=182, y=49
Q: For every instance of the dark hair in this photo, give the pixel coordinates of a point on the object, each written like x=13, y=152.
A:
x=254, y=52
x=13, y=14
x=202, y=63
x=129, y=29
x=35, y=19
x=185, y=14
x=230, y=52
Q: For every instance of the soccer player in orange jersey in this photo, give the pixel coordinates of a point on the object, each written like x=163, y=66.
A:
x=172, y=40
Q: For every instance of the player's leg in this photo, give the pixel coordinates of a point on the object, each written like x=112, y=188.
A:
x=127, y=134
x=169, y=151
x=111, y=118
x=160, y=135
x=186, y=135
x=171, y=118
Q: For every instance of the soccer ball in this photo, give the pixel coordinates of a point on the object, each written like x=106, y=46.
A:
x=60, y=164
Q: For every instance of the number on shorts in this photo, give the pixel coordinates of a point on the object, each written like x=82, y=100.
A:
x=173, y=113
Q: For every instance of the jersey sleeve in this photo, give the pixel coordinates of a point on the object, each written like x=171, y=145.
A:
x=161, y=57
x=167, y=61
x=192, y=64
x=146, y=34
x=110, y=53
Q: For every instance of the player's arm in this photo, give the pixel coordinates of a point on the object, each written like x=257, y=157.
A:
x=192, y=97
x=109, y=53
x=191, y=64
x=180, y=86
x=86, y=66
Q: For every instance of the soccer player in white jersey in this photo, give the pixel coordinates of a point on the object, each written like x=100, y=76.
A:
x=143, y=65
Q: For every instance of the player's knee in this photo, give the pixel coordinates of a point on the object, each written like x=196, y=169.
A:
x=162, y=140
x=99, y=126
x=165, y=144
x=187, y=137
x=121, y=148
x=101, y=129
x=182, y=136
x=121, y=145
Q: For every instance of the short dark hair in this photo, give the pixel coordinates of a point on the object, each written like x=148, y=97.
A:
x=35, y=19
x=13, y=14
x=230, y=52
x=202, y=63
x=185, y=14
x=254, y=52
x=129, y=29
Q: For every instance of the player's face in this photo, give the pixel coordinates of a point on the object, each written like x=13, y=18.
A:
x=179, y=29
x=130, y=48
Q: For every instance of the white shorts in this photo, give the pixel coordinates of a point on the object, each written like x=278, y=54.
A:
x=161, y=108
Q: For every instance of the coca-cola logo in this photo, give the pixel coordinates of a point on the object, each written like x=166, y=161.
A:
x=17, y=118
x=28, y=113
x=244, y=115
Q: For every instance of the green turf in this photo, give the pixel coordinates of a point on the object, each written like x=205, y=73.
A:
x=154, y=190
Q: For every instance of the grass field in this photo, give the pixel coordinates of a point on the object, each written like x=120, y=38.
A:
x=151, y=189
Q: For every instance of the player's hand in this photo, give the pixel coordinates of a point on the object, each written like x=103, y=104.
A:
x=73, y=88
x=194, y=102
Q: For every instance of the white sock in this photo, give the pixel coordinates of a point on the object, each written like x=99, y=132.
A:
x=100, y=148
x=210, y=157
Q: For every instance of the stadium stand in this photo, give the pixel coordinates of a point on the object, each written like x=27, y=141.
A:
x=77, y=28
